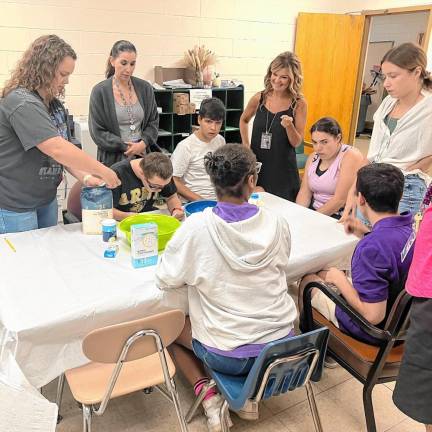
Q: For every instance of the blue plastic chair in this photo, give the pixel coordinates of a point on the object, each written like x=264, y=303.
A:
x=282, y=366
x=301, y=157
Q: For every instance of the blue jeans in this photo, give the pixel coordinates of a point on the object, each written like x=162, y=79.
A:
x=41, y=217
x=223, y=364
x=413, y=194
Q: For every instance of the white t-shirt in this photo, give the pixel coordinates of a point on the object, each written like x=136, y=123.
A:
x=188, y=164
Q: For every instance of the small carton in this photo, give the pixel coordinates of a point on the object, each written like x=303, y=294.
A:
x=181, y=109
x=144, y=244
x=181, y=98
x=192, y=108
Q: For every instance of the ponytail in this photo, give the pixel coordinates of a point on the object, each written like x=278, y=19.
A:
x=118, y=47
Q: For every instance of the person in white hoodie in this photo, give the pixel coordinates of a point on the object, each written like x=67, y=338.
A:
x=402, y=132
x=233, y=258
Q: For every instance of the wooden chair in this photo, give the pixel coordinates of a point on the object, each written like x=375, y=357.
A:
x=368, y=363
x=126, y=358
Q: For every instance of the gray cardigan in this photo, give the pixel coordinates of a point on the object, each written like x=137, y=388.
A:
x=103, y=123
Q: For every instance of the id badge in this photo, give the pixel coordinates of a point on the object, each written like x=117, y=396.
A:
x=408, y=245
x=266, y=138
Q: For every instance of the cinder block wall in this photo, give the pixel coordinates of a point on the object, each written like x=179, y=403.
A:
x=246, y=34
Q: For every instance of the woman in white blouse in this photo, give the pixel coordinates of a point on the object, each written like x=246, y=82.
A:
x=402, y=133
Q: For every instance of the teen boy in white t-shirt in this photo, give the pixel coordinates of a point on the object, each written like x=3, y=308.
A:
x=190, y=177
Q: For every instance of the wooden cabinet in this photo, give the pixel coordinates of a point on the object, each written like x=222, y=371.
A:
x=174, y=127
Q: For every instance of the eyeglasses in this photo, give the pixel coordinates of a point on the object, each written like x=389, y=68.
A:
x=258, y=166
x=153, y=186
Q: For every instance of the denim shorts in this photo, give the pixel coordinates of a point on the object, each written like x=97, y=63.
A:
x=413, y=194
x=223, y=364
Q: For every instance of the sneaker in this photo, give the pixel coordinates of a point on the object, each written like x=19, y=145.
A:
x=249, y=411
x=330, y=363
x=212, y=408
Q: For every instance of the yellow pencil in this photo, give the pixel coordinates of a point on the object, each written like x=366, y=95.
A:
x=9, y=244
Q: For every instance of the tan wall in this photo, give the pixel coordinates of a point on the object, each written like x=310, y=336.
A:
x=246, y=34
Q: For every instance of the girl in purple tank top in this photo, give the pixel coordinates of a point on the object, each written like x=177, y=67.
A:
x=330, y=170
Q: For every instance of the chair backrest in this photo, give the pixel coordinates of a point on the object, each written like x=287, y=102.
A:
x=300, y=149
x=398, y=319
x=287, y=364
x=105, y=345
x=74, y=200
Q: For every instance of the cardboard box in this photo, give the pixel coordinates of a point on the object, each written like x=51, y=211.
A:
x=192, y=108
x=144, y=244
x=181, y=109
x=181, y=98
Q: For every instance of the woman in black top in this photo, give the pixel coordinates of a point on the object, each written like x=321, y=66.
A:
x=123, y=117
x=280, y=118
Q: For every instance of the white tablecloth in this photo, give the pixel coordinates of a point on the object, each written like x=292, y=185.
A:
x=57, y=286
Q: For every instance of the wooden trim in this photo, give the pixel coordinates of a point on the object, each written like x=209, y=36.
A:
x=425, y=43
x=399, y=10
x=359, y=83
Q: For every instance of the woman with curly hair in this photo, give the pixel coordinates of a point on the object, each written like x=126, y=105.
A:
x=35, y=139
x=233, y=258
x=280, y=118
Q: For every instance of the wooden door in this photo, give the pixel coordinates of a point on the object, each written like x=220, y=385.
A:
x=330, y=47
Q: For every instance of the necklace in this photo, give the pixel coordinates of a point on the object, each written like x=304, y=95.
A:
x=271, y=123
x=128, y=106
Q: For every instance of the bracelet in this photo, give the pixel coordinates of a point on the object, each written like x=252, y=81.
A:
x=85, y=178
x=176, y=208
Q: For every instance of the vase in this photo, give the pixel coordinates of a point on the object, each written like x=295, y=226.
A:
x=199, y=78
x=207, y=76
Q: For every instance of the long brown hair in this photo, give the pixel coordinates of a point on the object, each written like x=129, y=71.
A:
x=118, y=47
x=410, y=56
x=37, y=67
x=291, y=62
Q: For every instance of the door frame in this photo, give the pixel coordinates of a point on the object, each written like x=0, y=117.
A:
x=366, y=33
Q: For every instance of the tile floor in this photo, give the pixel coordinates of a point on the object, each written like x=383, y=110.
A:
x=362, y=143
x=338, y=395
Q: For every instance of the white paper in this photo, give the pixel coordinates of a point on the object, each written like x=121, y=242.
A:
x=198, y=95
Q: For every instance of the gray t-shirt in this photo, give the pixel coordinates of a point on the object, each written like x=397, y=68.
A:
x=28, y=177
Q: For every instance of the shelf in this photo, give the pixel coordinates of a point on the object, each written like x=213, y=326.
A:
x=176, y=128
x=230, y=129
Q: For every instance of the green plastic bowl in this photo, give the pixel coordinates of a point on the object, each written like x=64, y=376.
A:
x=167, y=226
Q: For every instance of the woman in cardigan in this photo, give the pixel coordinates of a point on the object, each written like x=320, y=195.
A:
x=123, y=117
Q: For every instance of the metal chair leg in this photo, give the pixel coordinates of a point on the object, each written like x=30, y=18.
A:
x=368, y=409
x=87, y=418
x=224, y=417
x=313, y=408
x=199, y=400
x=176, y=402
x=59, y=396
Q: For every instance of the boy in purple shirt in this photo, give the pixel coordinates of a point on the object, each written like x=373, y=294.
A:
x=380, y=262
